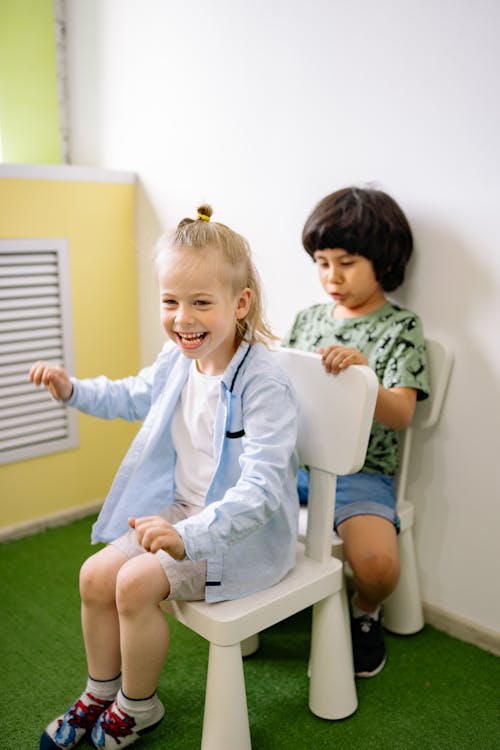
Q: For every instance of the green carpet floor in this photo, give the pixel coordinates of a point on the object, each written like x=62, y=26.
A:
x=435, y=693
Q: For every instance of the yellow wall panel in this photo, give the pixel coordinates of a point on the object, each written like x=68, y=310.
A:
x=97, y=218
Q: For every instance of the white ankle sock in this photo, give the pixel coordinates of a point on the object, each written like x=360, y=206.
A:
x=105, y=689
x=357, y=612
x=145, y=711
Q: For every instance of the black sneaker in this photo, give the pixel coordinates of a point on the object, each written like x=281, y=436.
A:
x=367, y=645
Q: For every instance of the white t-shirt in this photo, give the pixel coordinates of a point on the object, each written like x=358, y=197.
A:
x=193, y=436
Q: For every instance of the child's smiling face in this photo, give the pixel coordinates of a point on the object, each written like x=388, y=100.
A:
x=350, y=281
x=199, y=310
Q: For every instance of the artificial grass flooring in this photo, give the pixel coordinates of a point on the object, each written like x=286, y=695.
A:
x=434, y=693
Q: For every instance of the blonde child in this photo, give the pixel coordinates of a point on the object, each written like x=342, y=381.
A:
x=204, y=505
x=361, y=242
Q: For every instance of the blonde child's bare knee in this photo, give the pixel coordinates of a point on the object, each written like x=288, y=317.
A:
x=140, y=583
x=98, y=576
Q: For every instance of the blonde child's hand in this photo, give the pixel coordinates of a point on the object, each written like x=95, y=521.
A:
x=154, y=533
x=336, y=358
x=54, y=378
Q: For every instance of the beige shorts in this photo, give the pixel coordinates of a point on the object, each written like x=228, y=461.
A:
x=187, y=578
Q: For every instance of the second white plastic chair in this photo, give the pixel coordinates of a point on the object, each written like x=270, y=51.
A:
x=403, y=613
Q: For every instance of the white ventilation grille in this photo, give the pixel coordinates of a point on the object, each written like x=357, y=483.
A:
x=35, y=323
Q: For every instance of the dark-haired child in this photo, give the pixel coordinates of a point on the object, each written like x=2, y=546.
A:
x=361, y=242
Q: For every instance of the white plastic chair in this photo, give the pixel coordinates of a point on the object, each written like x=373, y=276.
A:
x=335, y=415
x=403, y=612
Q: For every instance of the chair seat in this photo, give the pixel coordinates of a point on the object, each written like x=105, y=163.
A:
x=229, y=622
x=406, y=513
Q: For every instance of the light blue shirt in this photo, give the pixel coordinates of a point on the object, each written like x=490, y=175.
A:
x=247, y=530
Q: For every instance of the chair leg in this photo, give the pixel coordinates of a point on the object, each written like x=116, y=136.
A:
x=332, y=690
x=225, y=720
x=403, y=608
x=250, y=645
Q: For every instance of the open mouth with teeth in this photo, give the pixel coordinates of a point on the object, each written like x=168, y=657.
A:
x=190, y=340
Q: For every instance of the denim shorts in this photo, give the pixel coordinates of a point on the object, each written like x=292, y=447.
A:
x=361, y=494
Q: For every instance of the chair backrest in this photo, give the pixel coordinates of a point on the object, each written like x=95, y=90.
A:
x=335, y=411
x=440, y=362
x=427, y=412
x=335, y=417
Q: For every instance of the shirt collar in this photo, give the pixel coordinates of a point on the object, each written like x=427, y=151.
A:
x=231, y=372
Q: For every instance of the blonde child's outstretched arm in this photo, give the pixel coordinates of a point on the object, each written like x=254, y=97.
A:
x=395, y=406
x=54, y=378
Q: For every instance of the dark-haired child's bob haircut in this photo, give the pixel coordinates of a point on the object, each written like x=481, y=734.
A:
x=363, y=221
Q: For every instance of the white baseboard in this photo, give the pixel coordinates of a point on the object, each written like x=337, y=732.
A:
x=19, y=530
x=462, y=628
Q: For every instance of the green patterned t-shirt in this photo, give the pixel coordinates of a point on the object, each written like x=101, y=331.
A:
x=392, y=339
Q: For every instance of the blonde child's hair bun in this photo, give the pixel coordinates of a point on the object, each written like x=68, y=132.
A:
x=204, y=212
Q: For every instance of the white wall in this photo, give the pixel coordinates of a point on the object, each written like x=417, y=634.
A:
x=261, y=107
